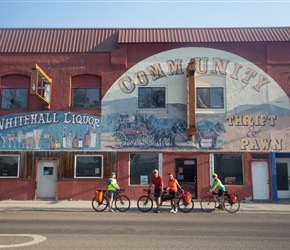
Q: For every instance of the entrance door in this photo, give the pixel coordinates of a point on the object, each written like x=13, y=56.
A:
x=260, y=180
x=283, y=179
x=186, y=174
x=46, y=182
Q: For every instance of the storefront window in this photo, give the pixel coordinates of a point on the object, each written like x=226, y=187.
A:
x=88, y=166
x=141, y=168
x=9, y=166
x=229, y=168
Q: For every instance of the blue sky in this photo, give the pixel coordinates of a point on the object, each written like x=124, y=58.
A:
x=143, y=14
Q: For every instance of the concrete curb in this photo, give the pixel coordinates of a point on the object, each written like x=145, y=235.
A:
x=86, y=206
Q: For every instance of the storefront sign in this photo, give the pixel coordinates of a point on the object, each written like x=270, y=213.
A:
x=49, y=131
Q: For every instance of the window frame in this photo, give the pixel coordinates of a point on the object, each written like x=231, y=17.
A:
x=15, y=97
x=210, y=98
x=229, y=179
x=151, y=97
x=18, y=165
x=100, y=176
x=86, y=95
x=210, y=81
x=147, y=172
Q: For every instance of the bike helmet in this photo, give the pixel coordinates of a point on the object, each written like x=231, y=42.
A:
x=170, y=174
x=155, y=171
x=112, y=173
x=214, y=175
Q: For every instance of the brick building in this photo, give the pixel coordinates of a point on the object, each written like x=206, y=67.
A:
x=79, y=103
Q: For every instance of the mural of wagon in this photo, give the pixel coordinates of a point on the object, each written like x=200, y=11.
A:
x=138, y=130
x=132, y=130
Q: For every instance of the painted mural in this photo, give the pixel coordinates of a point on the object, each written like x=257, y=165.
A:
x=254, y=115
x=137, y=130
x=49, y=131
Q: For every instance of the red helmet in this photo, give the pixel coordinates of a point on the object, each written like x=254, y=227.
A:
x=170, y=174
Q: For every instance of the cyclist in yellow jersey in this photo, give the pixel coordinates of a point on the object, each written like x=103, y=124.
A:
x=112, y=187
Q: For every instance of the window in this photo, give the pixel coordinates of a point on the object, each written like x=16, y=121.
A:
x=282, y=176
x=229, y=168
x=88, y=166
x=260, y=156
x=9, y=166
x=14, y=98
x=86, y=98
x=141, y=168
x=210, y=98
x=151, y=97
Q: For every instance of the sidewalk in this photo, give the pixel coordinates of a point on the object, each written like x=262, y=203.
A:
x=282, y=206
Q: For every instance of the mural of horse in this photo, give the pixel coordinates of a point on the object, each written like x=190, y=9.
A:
x=212, y=133
x=167, y=136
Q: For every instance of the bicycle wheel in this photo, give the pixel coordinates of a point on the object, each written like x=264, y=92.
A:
x=231, y=207
x=145, y=203
x=100, y=206
x=207, y=204
x=185, y=208
x=122, y=203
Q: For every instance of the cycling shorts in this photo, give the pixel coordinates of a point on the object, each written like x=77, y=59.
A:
x=157, y=192
x=173, y=194
x=221, y=192
x=111, y=194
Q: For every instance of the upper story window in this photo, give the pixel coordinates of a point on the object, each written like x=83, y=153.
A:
x=14, y=91
x=151, y=97
x=86, y=98
x=210, y=93
x=86, y=92
x=210, y=98
x=14, y=98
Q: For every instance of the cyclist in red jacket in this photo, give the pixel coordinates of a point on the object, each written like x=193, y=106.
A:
x=158, y=187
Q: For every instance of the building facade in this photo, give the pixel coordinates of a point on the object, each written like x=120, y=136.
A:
x=77, y=104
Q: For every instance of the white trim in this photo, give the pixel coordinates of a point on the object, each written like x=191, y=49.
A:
x=211, y=167
x=93, y=177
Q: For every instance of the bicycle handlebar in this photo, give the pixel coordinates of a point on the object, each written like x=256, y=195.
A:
x=147, y=191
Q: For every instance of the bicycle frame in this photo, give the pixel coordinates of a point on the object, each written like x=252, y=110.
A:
x=208, y=203
x=145, y=202
x=164, y=196
x=122, y=202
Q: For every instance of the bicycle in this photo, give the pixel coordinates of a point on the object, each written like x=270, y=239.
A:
x=209, y=203
x=145, y=202
x=122, y=202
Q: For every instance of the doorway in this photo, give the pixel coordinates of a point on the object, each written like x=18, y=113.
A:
x=283, y=179
x=46, y=181
x=186, y=174
x=260, y=180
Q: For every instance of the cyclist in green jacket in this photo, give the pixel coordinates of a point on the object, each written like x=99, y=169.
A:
x=112, y=187
x=217, y=184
